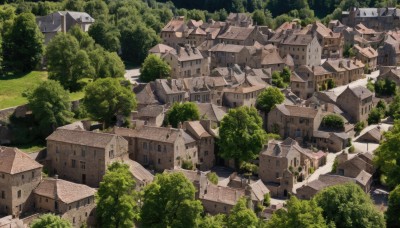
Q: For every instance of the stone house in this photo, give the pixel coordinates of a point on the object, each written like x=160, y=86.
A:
x=345, y=71
x=331, y=42
x=368, y=56
x=282, y=163
x=330, y=141
x=83, y=156
x=158, y=148
x=198, y=178
x=239, y=19
x=226, y=55
x=19, y=176
x=205, y=89
x=392, y=74
x=372, y=136
x=356, y=102
x=169, y=91
x=204, y=135
x=211, y=112
x=242, y=95
x=219, y=199
x=160, y=50
x=186, y=62
x=172, y=33
x=270, y=58
x=62, y=21
x=377, y=18
x=292, y=121
x=389, y=51
x=306, y=80
x=141, y=175
x=304, y=49
x=350, y=165
x=72, y=202
x=152, y=115
x=145, y=95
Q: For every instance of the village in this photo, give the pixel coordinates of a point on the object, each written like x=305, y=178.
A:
x=324, y=130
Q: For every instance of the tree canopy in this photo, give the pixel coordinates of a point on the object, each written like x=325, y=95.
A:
x=332, y=121
x=269, y=98
x=23, y=44
x=181, y=112
x=385, y=87
x=169, y=201
x=116, y=198
x=50, y=220
x=241, y=216
x=216, y=221
x=347, y=205
x=387, y=156
x=393, y=211
x=106, y=98
x=241, y=135
x=154, y=68
x=299, y=213
x=50, y=105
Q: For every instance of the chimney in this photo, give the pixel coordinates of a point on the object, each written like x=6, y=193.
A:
x=63, y=24
x=208, y=36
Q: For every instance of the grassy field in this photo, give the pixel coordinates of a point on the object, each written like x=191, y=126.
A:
x=12, y=87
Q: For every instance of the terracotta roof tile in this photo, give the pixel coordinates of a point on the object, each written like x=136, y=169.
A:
x=87, y=138
x=13, y=161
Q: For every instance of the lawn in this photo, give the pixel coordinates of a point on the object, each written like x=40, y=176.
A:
x=12, y=87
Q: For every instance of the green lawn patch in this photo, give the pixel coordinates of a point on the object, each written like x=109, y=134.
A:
x=11, y=87
x=32, y=147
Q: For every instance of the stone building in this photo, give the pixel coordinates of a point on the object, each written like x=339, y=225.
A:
x=62, y=21
x=392, y=74
x=226, y=55
x=172, y=32
x=158, y=148
x=389, y=51
x=368, y=56
x=330, y=141
x=83, y=156
x=283, y=163
x=205, y=89
x=186, y=62
x=169, y=91
x=304, y=48
x=356, y=102
x=294, y=121
x=309, y=79
x=160, y=50
x=345, y=71
x=239, y=19
x=381, y=19
x=19, y=176
x=72, y=202
x=219, y=199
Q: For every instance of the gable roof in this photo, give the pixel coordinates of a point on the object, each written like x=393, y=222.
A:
x=359, y=91
x=67, y=192
x=222, y=47
x=159, y=134
x=138, y=171
x=298, y=111
x=176, y=24
x=145, y=94
x=86, y=138
x=13, y=161
x=160, y=48
x=195, y=128
x=374, y=135
x=298, y=39
x=211, y=111
x=236, y=33
x=258, y=189
x=221, y=194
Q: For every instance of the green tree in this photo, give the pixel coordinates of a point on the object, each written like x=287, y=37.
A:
x=85, y=41
x=154, y=68
x=216, y=221
x=169, y=201
x=286, y=73
x=299, y=213
x=241, y=135
x=50, y=105
x=349, y=206
x=393, y=211
x=66, y=63
x=74, y=5
x=106, y=98
x=212, y=177
x=370, y=85
x=136, y=42
x=374, y=116
x=269, y=98
x=106, y=35
x=387, y=156
x=181, y=112
x=394, y=107
x=115, y=198
x=359, y=127
x=241, y=216
x=96, y=8
x=385, y=87
x=23, y=44
x=330, y=84
x=333, y=122
x=267, y=200
x=259, y=17
x=106, y=64
x=50, y=220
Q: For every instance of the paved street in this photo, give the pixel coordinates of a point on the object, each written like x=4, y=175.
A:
x=322, y=170
x=132, y=75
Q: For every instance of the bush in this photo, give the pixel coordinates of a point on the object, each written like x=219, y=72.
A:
x=375, y=116
x=334, y=166
x=186, y=164
x=267, y=200
x=351, y=149
x=311, y=170
x=212, y=177
x=359, y=127
x=333, y=122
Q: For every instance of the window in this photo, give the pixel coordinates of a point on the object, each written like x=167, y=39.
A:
x=111, y=153
x=3, y=195
x=206, y=153
x=277, y=163
x=83, y=165
x=83, y=153
x=276, y=175
x=23, y=176
x=159, y=148
x=73, y=163
x=19, y=193
x=3, y=176
x=145, y=159
x=159, y=161
x=33, y=174
x=145, y=146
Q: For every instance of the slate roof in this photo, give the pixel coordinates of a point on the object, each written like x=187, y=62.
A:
x=86, y=138
x=13, y=161
x=145, y=95
x=173, y=86
x=298, y=39
x=221, y=194
x=258, y=189
x=211, y=111
x=374, y=135
x=363, y=177
x=151, y=110
x=52, y=22
x=361, y=92
x=186, y=53
x=236, y=33
x=270, y=56
x=160, y=48
x=292, y=110
x=197, y=129
x=222, y=47
x=67, y=192
x=160, y=134
x=138, y=171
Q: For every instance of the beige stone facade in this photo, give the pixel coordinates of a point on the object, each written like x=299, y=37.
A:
x=304, y=49
x=19, y=176
x=83, y=156
x=356, y=102
x=368, y=56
